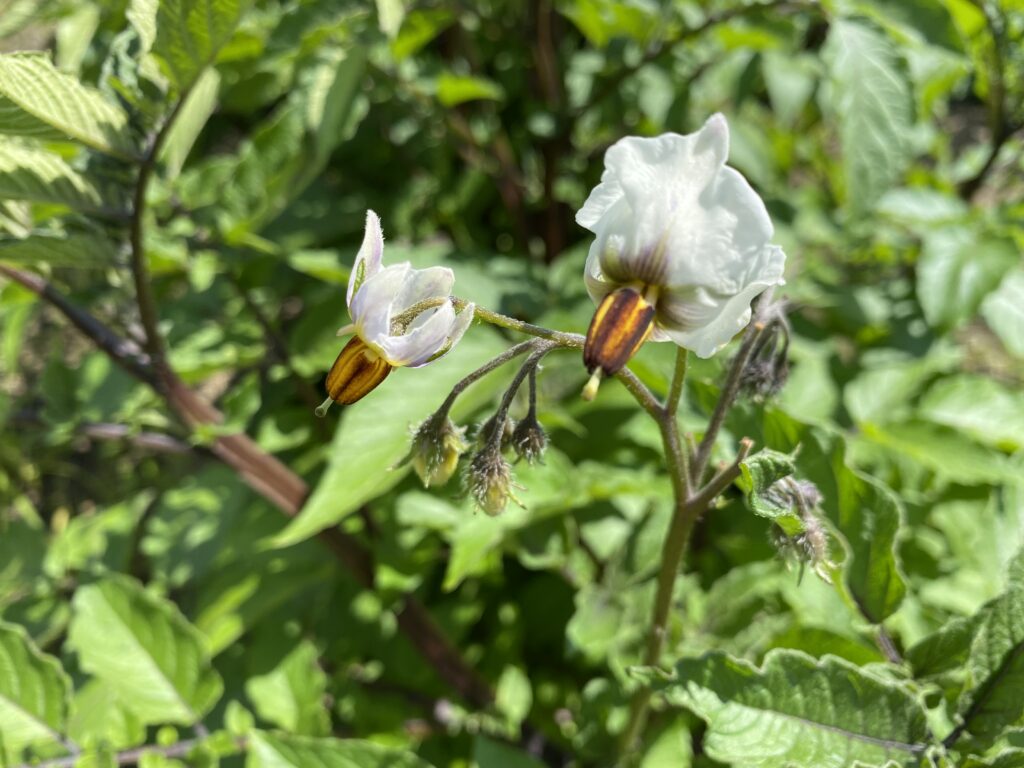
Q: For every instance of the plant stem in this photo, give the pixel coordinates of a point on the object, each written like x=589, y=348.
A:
x=731, y=387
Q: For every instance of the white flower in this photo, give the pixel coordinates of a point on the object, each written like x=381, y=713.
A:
x=378, y=295
x=684, y=232
x=387, y=334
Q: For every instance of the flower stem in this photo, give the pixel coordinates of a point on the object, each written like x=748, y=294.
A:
x=731, y=387
x=504, y=321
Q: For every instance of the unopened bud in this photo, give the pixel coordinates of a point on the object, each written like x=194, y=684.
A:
x=767, y=370
x=436, y=448
x=529, y=439
x=811, y=545
x=490, y=480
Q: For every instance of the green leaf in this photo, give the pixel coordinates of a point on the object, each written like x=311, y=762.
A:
x=33, y=693
x=419, y=28
x=1010, y=758
x=948, y=454
x=988, y=411
x=389, y=15
x=957, y=270
x=488, y=753
x=796, y=712
x=374, y=435
x=1003, y=310
x=28, y=172
x=456, y=89
x=70, y=250
x=189, y=33
x=292, y=147
x=291, y=694
x=944, y=649
x=198, y=106
x=37, y=100
x=99, y=718
x=267, y=751
x=759, y=473
x=991, y=699
x=144, y=650
x=870, y=101
x=868, y=516
x=673, y=748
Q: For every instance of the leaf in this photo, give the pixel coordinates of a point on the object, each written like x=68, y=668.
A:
x=944, y=649
x=488, y=753
x=868, y=515
x=374, y=435
x=991, y=698
x=189, y=33
x=71, y=250
x=983, y=408
x=291, y=694
x=33, y=693
x=456, y=89
x=1010, y=758
x=144, y=650
x=267, y=751
x=99, y=718
x=198, y=106
x=419, y=28
x=869, y=98
x=921, y=207
x=957, y=270
x=37, y=100
x=389, y=15
x=795, y=711
x=1003, y=310
x=292, y=147
x=28, y=172
x=759, y=473
x=943, y=451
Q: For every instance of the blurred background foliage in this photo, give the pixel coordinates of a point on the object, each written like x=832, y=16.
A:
x=885, y=138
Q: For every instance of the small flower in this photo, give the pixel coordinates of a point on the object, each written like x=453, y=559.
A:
x=682, y=247
x=490, y=479
x=387, y=335
x=436, y=448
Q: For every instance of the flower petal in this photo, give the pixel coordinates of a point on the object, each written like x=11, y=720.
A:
x=368, y=260
x=703, y=320
x=420, y=344
x=422, y=284
x=371, y=306
x=661, y=183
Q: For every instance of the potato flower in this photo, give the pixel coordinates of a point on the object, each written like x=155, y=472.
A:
x=682, y=247
x=401, y=317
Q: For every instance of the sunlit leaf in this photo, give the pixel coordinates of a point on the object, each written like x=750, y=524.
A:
x=28, y=172
x=37, y=100
x=144, y=650
x=33, y=693
x=870, y=99
x=798, y=712
x=268, y=751
x=190, y=32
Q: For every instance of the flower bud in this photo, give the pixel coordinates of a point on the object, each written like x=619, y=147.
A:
x=436, y=448
x=490, y=480
x=811, y=545
x=529, y=439
x=767, y=370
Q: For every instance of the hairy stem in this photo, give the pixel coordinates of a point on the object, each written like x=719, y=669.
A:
x=731, y=387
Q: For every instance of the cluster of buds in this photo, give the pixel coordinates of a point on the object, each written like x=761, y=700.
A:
x=811, y=545
x=767, y=370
